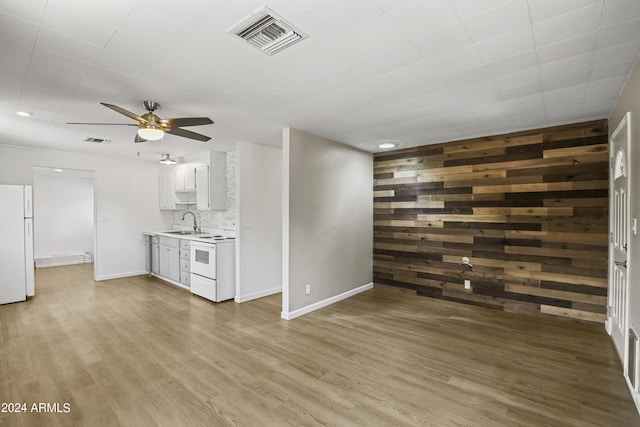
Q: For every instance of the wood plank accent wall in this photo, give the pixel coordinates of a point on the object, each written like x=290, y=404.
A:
x=529, y=209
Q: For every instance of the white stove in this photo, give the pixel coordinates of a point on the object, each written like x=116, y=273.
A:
x=213, y=267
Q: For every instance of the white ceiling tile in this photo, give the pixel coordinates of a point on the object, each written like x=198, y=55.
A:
x=414, y=73
x=619, y=11
x=626, y=52
x=527, y=76
x=563, y=81
x=442, y=40
x=29, y=10
x=20, y=53
x=565, y=67
x=374, y=35
x=500, y=20
x=620, y=69
x=468, y=76
x=512, y=63
x=76, y=25
x=99, y=84
x=163, y=15
x=17, y=28
x=414, y=91
x=431, y=104
x=61, y=43
x=398, y=56
x=467, y=8
x=566, y=48
x=457, y=60
x=569, y=25
x=520, y=91
x=566, y=98
x=350, y=15
x=349, y=73
x=388, y=5
x=111, y=12
x=620, y=33
x=525, y=104
x=477, y=94
x=49, y=68
x=531, y=120
x=419, y=17
x=128, y=44
x=506, y=45
x=120, y=63
x=605, y=88
x=541, y=10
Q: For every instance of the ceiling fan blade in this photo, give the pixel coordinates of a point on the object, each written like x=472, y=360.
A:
x=125, y=112
x=138, y=138
x=102, y=124
x=186, y=121
x=188, y=134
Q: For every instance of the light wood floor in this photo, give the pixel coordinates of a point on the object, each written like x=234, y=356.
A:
x=139, y=352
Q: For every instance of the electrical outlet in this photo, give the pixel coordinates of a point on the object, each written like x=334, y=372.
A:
x=467, y=284
x=307, y=289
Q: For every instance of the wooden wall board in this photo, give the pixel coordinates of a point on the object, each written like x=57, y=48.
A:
x=529, y=209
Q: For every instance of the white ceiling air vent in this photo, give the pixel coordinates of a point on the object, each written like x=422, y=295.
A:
x=267, y=31
x=97, y=140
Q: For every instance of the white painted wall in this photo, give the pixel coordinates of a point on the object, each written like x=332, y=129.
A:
x=327, y=221
x=259, y=226
x=63, y=214
x=126, y=198
x=629, y=100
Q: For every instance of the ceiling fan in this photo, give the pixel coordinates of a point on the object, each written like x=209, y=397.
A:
x=151, y=127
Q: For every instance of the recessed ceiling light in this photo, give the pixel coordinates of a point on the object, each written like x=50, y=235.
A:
x=386, y=145
x=59, y=170
x=24, y=113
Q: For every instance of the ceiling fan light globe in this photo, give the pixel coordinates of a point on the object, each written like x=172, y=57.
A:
x=150, y=133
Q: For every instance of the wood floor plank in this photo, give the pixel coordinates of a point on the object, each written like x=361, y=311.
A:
x=141, y=352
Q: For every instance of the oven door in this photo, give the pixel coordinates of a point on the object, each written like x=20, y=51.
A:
x=203, y=259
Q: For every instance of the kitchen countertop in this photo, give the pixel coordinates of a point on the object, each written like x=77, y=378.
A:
x=213, y=236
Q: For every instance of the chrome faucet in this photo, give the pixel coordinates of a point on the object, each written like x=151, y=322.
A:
x=195, y=223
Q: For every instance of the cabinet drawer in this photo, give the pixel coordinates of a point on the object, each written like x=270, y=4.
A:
x=185, y=279
x=184, y=244
x=169, y=241
x=185, y=254
x=185, y=266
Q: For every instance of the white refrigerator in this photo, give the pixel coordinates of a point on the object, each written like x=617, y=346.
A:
x=16, y=243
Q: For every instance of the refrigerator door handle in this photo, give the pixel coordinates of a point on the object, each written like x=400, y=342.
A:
x=30, y=286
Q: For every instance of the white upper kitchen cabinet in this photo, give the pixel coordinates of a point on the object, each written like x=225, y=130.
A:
x=184, y=177
x=167, y=194
x=211, y=185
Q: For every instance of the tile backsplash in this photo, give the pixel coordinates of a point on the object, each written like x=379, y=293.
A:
x=224, y=219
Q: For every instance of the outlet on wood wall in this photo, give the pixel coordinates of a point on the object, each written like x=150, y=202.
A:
x=529, y=210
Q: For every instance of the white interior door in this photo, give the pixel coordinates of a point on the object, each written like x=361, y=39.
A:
x=619, y=233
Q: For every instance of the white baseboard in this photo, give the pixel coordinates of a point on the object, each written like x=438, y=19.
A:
x=120, y=275
x=256, y=295
x=321, y=304
x=634, y=394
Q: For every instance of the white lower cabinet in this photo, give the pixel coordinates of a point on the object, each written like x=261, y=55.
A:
x=185, y=263
x=170, y=258
x=155, y=255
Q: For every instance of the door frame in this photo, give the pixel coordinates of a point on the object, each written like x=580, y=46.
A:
x=623, y=126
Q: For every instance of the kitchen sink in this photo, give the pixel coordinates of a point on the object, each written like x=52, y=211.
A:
x=183, y=232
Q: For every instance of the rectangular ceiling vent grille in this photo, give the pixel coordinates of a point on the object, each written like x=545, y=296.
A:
x=97, y=140
x=267, y=31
